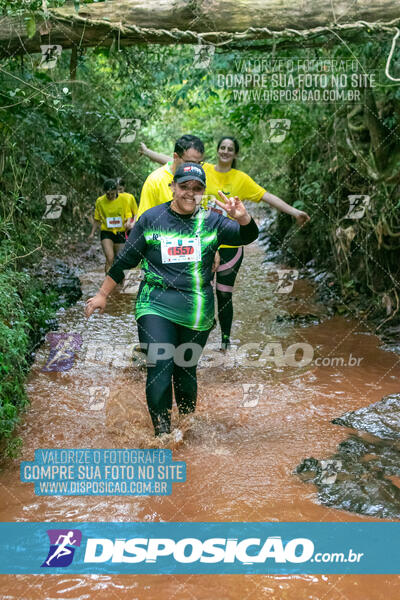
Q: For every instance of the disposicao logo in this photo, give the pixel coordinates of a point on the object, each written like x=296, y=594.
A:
x=63, y=543
x=62, y=351
x=190, y=550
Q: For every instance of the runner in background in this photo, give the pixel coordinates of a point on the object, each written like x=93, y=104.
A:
x=112, y=212
x=176, y=242
x=157, y=187
x=232, y=182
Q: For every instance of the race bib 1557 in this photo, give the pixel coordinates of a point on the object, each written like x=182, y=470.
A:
x=186, y=249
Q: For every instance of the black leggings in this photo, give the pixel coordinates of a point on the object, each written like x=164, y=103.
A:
x=173, y=352
x=231, y=259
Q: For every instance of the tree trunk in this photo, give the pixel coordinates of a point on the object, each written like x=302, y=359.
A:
x=182, y=21
x=381, y=140
x=73, y=63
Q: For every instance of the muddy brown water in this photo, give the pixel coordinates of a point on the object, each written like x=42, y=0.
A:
x=241, y=451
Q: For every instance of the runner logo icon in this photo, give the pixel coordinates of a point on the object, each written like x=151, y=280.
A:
x=62, y=350
x=63, y=543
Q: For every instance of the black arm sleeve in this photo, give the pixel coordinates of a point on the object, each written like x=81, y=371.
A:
x=231, y=233
x=132, y=253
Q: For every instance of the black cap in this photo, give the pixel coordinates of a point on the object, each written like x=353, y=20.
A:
x=109, y=184
x=189, y=171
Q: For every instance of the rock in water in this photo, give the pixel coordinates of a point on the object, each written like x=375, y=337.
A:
x=381, y=419
x=59, y=277
x=357, y=477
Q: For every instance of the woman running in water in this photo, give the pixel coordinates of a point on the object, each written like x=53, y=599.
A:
x=232, y=182
x=113, y=213
x=176, y=242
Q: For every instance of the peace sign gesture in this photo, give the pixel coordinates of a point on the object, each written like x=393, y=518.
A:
x=235, y=208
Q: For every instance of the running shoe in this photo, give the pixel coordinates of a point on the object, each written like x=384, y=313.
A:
x=225, y=343
x=162, y=425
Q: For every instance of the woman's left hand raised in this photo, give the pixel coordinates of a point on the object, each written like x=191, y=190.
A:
x=234, y=207
x=301, y=217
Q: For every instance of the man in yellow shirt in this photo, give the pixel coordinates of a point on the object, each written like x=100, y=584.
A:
x=156, y=189
x=112, y=212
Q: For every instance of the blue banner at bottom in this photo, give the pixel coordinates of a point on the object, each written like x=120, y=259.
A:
x=200, y=548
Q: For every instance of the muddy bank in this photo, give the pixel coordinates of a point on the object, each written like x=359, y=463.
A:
x=61, y=282
x=62, y=279
x=327, y=290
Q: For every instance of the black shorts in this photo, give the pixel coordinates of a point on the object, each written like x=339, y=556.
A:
x=117, y=238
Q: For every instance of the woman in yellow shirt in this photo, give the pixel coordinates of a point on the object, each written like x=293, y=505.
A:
x=225, y=177
x=112, y=212
x=232, y=182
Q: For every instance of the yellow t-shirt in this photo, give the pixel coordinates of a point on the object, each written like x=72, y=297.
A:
x=131, y=200
x=231, y=183
x=156, y=189
x=112, y=214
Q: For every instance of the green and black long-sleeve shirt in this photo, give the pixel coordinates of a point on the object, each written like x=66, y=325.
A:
x=177, y=254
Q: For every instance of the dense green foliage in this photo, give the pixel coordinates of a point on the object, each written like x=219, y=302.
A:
x=59, y=135
x=25, y=308
x=331, y=151
x=35, y=8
